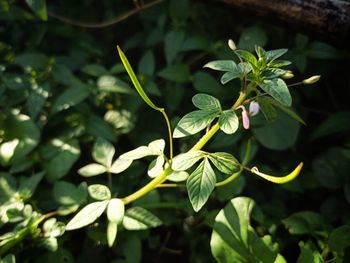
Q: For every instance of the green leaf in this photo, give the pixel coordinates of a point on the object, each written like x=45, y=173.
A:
x=277, y=89
x=28, y=185
x=200, y=184
x=336, y=123
x=87, y=215
x=109, y=83
x=234, y=240
x=22, y=128
x=94, y=70
x=247, y=56
x=9, y=258
x=194, y=122
x=37, y=99
x=206, y=102
x=225, y=162
x=274, y=54
x=135, y=81
x=267, y=109
x=99, y=192
x=205, y=83
x=339, y=239
x=178, y=73
x=172, y=45
x=185, y=161
x=120, y=165
x=309, y=254
x=66, y=153
x=112, y=230
x=228, y=76
x=70, y=97
x=223, y=65
x=7, y=187
x=147, y=64
x=92, y=170
x=278, y=135
x=228, y=122
x=103, y=152
x=115, y=210
x=68, y=194
x=39, y=8
x=283, y=108
x=138, y=218
x=306, y=222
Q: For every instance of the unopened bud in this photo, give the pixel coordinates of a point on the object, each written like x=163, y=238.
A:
x=232, y=45
x=288, y=75
x=311, y=80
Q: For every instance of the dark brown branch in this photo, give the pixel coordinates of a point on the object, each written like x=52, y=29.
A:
x=105, y=23
x=329, y=19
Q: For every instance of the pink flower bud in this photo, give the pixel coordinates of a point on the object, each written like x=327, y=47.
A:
x=245, y=117
x=254, y=108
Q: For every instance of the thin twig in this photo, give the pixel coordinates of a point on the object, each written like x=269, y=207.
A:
x=105, y=23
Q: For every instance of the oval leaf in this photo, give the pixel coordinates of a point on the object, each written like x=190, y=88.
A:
x=115, y=210
x=138, y=218
x=184, y=161
x=87, y=215
x=225, y=162
x=228, y=122
x=92, y=170
x=206, y=102
x=278, y=90
x=99, y=192
x=103, y=152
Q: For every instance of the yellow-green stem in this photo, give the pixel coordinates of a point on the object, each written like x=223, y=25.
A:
x=199, y=145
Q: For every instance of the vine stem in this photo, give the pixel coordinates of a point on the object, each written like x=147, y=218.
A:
x=199, y=145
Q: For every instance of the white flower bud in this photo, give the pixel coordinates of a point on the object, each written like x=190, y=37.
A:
x=311, y=80
x=288, y=75
x=232, y=45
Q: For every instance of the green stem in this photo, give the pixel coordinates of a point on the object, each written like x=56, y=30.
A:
x=229, y=179
x=169, y=134
x=199, y=145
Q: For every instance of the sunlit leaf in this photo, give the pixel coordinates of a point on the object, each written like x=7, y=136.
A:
x=92, y=170
x=99, y=192
x=184, y=161
x=87, y=215
x=206, y=102
x=277, y=89
x=225, y=162
x=103, y=152
x=228, y=122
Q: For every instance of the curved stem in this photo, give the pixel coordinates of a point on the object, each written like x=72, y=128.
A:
x=169, y=134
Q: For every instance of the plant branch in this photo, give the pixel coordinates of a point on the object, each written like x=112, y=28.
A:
x=105, y=23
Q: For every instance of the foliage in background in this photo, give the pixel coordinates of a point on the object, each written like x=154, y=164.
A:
x=62, y=88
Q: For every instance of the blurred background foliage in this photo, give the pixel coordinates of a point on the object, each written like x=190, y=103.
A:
x=62, y=86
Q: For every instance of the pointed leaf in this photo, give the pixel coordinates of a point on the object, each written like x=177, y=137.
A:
x=228, y=76
x=200, y=184
x=87, y=215
x=92, y=170
x=138, y=218
x=225, y=162
x=274, y=54
x=247, y=56
x=103, y=152
x=99, y=192
x=185, y=161
x=206, y=102
x=228, y=122
x=194, y=122
x=222, y=65
x=277, y=89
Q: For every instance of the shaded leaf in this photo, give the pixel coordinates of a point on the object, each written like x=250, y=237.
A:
x=228, y=122
x=138, y=218
x=277, y=89
x=200, y=184
x=225, y=162
x=206, y=102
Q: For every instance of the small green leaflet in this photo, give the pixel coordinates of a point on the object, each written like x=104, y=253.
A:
x=194, y=122
x=274, y=54
x=184, y=161
x=138, y=218
x=277, y=89
x=87, y=215
x=232, y=70
x=247, y=56
x=228, y=122
x=112, y=230
x=92, y=170
x=154, y=148
x=206, y=102
x=99, y=192
x=224, y=162
x=200, y=184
